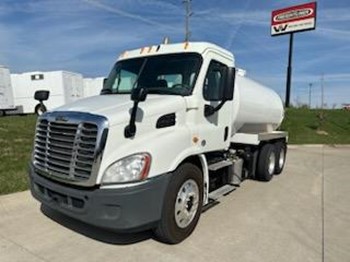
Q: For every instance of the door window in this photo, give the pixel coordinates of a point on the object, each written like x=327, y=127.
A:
x=214, y=82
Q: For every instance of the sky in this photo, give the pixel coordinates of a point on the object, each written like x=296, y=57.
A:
x=87, y=36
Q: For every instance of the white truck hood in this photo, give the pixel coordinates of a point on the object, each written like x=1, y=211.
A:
x=117, y=108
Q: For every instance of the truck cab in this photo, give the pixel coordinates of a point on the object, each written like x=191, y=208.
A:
x=173, y=130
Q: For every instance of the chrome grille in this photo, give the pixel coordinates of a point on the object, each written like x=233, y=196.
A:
x=67, y=150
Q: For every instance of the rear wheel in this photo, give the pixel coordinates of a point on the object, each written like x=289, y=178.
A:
x=182, y=205
x=266, y=162
x=281, y=150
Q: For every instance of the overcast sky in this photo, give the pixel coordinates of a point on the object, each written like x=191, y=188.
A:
x=87, y=36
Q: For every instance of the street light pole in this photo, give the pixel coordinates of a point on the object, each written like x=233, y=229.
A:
x=289, y=70
x=310, y=86
x=322, y=91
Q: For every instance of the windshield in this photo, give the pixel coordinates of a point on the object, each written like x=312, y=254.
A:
x=173, y=74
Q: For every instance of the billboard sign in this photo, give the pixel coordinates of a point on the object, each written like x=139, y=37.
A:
x=293, y=19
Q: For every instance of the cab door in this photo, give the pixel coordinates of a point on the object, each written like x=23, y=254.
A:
x=215, y=129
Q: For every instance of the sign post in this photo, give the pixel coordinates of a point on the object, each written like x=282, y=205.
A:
x=288, y=21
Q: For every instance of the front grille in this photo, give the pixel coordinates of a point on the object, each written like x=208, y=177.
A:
x=66, y=149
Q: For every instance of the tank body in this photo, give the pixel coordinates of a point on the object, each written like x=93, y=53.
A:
x=257, y=109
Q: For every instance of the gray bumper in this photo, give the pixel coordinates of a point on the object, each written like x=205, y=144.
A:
x=127, y=209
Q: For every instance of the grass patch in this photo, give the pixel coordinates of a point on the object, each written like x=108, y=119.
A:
x=16, y=141
x=317, y=126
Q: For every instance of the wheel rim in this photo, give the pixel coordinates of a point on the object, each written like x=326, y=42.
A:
x=186, y=204
x=281, y=159
x=272, y=163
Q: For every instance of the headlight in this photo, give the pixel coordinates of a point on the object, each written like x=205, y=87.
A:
x=129, y=169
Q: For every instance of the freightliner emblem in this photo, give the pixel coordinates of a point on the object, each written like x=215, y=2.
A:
x=61, y=118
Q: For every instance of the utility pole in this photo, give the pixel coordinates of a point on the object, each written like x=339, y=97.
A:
x=310, y=86
x=189, y=13
x=322, y=91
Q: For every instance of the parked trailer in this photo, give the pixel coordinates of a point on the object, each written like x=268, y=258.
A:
x=174, y=129
x=93, y=86
x=6, y=94
x=64, y=87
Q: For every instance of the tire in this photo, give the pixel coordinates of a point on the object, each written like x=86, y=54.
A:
x=266, y=163
x=40, y=109
x=182, y=205
x=281, y=151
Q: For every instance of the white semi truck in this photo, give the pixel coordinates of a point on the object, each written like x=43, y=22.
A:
x=176, y=127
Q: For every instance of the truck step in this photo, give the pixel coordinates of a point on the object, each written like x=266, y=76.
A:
x=219, y=165
x=210, y=204
x=222, y=191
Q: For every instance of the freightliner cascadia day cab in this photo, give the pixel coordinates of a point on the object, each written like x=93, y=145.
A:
x=176, y=127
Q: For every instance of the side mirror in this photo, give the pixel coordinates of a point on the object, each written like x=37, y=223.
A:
x=138, y=94
x=104, y=81
x=41, y=95
x=229, y=85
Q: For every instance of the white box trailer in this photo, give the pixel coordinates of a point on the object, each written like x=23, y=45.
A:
x=65, y=87
x=93, y=86
x=6, y=94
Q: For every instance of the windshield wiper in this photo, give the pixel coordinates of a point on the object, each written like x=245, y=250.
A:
x=140, y=72
x=106, y=92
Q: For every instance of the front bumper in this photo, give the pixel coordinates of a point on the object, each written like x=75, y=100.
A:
x=124, y=209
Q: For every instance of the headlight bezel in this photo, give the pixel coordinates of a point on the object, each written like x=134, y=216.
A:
x=142, y=175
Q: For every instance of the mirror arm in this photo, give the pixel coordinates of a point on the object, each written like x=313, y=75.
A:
x=137, y=95
x=210, y=110
x=130, y=130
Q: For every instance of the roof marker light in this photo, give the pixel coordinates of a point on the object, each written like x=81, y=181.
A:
x=166, y=40
x=186, y=45
x=123, y=54
x=149, y=49
x=142, y=49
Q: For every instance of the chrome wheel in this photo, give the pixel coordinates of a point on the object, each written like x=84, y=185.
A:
x=186, y=205
x=282, y=157
x=272, y=163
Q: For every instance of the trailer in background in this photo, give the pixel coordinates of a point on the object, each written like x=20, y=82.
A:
x=64, y=87
x=93, y=86
x=6, y=94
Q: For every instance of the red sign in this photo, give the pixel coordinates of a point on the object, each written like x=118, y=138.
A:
x=293, y=19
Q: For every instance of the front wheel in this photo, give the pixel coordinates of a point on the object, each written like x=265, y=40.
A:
x=182, y=205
